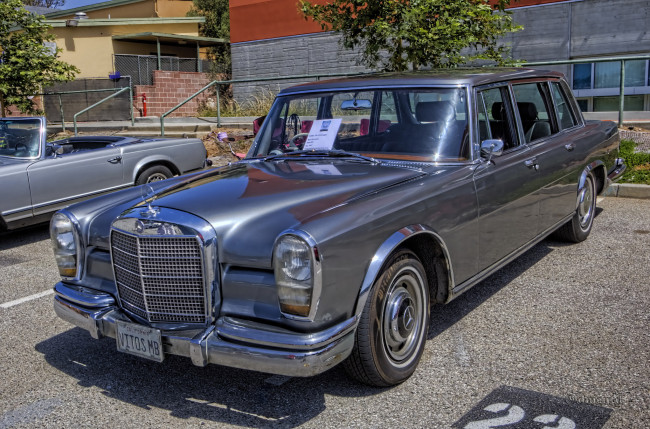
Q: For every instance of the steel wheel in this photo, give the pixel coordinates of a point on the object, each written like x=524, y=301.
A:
x=392, y=330
x=586, y=205
x=153, y=174
x=402, y=316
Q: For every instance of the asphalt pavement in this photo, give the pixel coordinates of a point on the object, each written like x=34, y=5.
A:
x=558, y=337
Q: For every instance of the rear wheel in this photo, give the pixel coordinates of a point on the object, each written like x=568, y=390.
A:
x=392, y=330
x=579, y=227
x=153, y=174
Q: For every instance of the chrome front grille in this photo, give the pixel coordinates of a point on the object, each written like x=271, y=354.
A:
x=160, y=278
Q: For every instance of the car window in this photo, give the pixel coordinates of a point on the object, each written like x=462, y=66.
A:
x=533, y=111
x=565, y=115
x=417, y=124
x=20, y=138
x=495, y=117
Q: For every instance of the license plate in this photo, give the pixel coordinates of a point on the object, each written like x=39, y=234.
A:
x=140, y=341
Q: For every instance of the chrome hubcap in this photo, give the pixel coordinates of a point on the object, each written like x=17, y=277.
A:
x=402, y=318
x=156, y=177
x=586, y=206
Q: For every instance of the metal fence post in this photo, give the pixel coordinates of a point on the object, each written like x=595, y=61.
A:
x=621, y=105
x=61, y=109
x=218, y=107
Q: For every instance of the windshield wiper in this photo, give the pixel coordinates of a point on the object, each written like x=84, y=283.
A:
x=324, y=152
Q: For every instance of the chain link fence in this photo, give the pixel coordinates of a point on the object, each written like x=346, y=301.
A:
x=141, y=67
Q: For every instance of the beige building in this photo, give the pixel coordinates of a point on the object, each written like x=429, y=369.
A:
x=91, y=36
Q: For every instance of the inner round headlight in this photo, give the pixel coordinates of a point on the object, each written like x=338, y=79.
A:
x=65, y=245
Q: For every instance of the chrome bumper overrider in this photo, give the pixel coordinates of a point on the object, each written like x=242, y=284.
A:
x=231, y=342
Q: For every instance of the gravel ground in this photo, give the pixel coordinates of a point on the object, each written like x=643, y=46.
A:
x=570, y=321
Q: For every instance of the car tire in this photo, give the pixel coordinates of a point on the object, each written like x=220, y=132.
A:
x=153, y=174
x=392, y=331
x=579, y=227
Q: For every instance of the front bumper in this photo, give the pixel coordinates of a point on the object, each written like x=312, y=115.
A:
x=230, y=342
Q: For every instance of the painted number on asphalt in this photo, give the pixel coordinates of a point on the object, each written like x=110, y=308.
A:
x=513, y=408
x=516, y=414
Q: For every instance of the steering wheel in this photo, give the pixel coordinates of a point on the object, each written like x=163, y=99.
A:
x=21, y=147
x=298, y=140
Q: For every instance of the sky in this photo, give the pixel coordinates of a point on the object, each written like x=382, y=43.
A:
x=71, y=4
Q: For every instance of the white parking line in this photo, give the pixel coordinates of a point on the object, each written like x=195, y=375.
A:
x=27, y=298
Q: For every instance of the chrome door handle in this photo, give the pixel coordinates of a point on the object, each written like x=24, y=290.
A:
x=570, y=146
x=531, y=163
x=115, y=160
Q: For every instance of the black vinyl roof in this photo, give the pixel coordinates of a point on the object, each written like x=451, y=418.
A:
x=460, y=76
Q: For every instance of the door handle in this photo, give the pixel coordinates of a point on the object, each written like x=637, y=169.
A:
x=570, y=146
x=531, y=163
x=115, y=160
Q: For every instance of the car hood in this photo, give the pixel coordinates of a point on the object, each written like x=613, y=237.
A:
x=254, y=190
x=250, y=203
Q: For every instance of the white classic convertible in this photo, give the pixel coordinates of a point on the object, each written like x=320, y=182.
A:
x=37, y=178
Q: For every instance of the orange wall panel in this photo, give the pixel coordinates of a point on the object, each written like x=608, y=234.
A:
x=268, y=19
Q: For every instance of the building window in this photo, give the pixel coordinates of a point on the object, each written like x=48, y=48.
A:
x=611, y=104
x=608, y=74
x=582, y=76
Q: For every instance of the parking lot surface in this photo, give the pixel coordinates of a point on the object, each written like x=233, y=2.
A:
x=558, y=338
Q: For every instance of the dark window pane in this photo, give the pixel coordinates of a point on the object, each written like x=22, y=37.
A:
x=583, y=103
x=611, y=104
x=607, y=75
x=582, y=76
x=635, y=73
x=534, y=115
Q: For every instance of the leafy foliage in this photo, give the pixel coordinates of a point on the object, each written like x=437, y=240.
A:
x=44, y=3
x=395, y=35
x=26, y=64
x=217, y=24
x=638, y=164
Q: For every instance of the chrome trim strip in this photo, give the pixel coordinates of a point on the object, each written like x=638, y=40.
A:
x=249, y=332
x=86, y=195
x=84, y=296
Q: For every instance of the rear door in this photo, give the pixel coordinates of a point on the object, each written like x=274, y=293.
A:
x=59, y=180
x=505, y=187
x=553, y=136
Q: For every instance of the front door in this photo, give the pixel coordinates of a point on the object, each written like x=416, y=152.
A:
x=60, y=180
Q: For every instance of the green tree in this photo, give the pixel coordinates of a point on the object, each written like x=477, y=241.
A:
x=217, y=24
x=26, y=63
x=398, y=35
x=44, y=3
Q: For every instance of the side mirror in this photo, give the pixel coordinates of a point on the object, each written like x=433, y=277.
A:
x=491, y=148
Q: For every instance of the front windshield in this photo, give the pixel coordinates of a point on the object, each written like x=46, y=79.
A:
x=20, y=138
x=408, y=124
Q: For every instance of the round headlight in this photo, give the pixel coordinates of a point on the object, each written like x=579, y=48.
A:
x=65, y=245
x=294, y=258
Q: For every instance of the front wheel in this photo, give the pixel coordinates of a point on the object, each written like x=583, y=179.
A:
x=153, y=174
x=392, y=330
x=579, y=227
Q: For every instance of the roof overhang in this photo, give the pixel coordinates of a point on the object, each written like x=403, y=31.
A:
x=108, y=22
x=88, y=8
x=169, y=39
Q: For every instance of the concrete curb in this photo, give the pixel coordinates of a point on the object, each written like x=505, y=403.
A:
x=628, y=190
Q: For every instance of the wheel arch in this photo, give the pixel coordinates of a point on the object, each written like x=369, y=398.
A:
x=143, y=165
x=597, y=168
x=428, y=246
